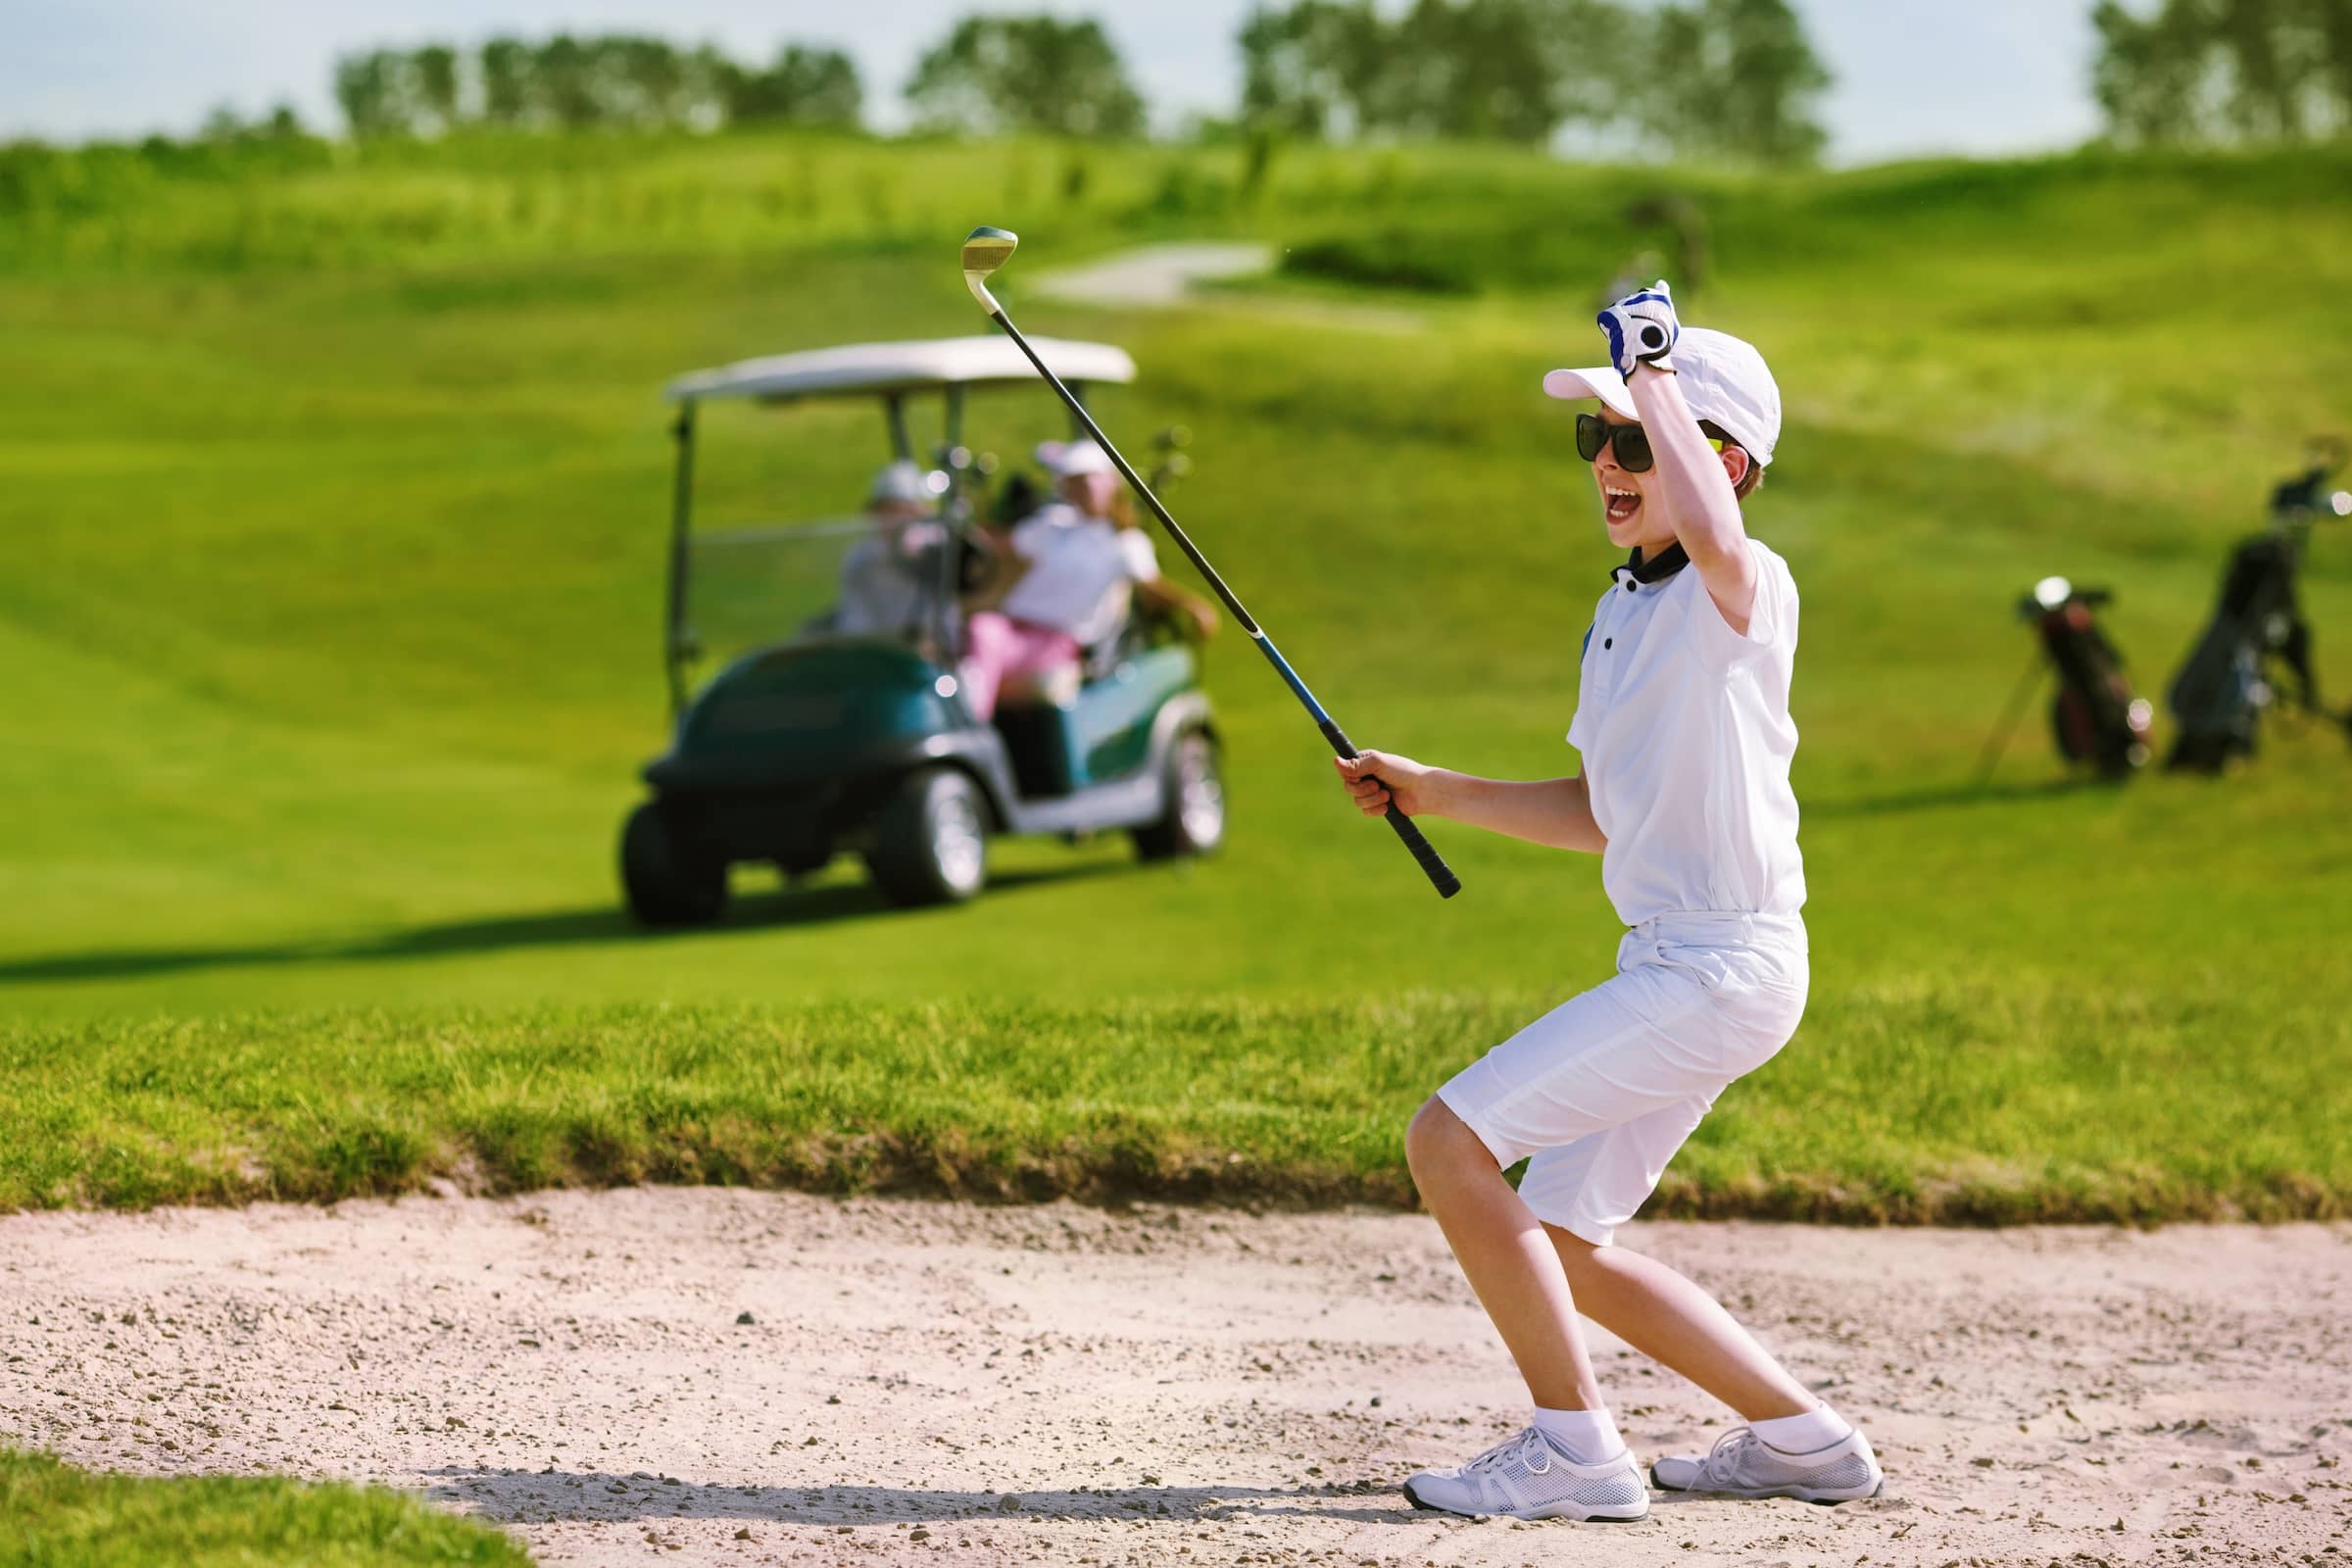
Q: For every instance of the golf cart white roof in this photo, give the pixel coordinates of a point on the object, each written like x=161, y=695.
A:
x=885, y=367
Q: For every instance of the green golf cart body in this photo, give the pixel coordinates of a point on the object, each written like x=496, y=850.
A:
x=824, y=741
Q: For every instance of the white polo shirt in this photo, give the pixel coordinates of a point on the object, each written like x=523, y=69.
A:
x=1081, y=572
x=1686, y=736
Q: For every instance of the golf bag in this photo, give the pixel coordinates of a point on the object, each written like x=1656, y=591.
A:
x=2225, y=684
x=2093, y=717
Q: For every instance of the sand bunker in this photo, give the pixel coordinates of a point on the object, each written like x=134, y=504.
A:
x=758, y=1378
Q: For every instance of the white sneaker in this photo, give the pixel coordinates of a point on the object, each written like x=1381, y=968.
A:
x=1744, y=1465
x=1526, y=1478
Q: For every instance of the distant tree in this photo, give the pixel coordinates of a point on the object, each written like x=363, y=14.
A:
x=434, y=69
x=563, y=71
x=372, y=90
x=2224, y=69
x=1735, y=78
x=284, y=125
x=805, y=86
x=1315, y=70
x=642, y=81
x=223, y=125
x=1472, y=69
x=506, y=66
x=1716, y=77
x=1585, y=45
x=993, y=74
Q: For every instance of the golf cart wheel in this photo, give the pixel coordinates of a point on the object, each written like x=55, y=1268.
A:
x=1193, y=821
x=931, y=840
x=668, y=880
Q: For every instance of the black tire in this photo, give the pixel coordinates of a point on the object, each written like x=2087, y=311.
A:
x=931, y=839
x=1192, y=821
x=668, y=880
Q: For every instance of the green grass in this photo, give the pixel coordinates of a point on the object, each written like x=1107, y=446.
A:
x=53, y=1516
x=2039, y=1103
x=329, y=563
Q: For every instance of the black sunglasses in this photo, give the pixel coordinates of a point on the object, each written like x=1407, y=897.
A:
x=1634, y=456
x=1592, y=432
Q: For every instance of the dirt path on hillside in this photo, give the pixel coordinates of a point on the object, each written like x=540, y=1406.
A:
x=1154, y=274
x=727, y=1376
x=1162, y=276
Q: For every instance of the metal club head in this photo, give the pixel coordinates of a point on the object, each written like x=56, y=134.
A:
x=985, y=249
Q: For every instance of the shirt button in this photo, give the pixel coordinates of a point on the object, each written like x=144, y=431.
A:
x=1609, y=641
x=1629, y=586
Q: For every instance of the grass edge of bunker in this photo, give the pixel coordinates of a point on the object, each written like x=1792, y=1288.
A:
x=820, y=742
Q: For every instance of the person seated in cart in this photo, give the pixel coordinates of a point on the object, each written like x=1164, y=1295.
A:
x=892, y=581
x=1065, y=585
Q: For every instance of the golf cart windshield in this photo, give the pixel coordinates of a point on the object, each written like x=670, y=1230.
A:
x=852, y=576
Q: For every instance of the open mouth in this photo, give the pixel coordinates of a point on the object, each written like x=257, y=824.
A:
x=1620, y=504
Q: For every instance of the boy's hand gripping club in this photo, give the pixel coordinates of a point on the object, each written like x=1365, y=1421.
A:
x=988, y=249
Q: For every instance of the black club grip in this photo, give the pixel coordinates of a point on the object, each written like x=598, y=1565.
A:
x=1433, y=865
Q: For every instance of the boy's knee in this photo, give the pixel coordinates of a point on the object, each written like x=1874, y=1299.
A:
x=1438, y=1142
x=1579, y=1258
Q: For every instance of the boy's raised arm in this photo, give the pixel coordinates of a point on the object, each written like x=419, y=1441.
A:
x=1699, y=498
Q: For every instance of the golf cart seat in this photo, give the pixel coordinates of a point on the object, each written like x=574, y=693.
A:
x=1100, y=733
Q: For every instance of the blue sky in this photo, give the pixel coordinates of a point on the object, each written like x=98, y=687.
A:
x=1913, y=75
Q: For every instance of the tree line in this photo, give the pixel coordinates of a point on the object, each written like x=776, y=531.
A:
x=1738, y=77
x=1692, y=77
x=2225, y=70
x=615, y=80
x=1713, y=77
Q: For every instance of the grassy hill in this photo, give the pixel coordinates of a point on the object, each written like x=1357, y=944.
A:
x=332, y=493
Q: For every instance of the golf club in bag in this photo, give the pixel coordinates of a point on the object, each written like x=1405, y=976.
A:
x=2225, y=683
x=987, y=249
x=2093, y=717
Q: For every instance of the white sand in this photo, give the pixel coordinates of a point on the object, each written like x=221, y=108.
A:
x=1162, y=1387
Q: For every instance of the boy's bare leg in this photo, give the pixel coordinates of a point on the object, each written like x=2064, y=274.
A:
x=1507, y=1256
x=1672, y=1321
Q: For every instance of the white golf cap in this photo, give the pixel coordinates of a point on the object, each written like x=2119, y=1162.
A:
x=1724, y=379
x=902, y=481
x=1067, y=460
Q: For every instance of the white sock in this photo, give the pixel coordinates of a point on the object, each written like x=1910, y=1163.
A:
x=1586, y=1436
x=1815, y=1430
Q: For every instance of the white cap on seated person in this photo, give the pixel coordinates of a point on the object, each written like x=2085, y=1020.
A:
x=904, y=484
x=1069, y=460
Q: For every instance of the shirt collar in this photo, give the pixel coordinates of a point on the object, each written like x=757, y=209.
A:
x=1660, y=566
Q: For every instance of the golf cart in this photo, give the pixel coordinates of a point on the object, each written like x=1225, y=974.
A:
x=825, y=732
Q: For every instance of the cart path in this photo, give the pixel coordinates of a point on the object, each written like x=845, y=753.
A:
x=1162, y=276
x=1154, y=274
x=1159, y=1386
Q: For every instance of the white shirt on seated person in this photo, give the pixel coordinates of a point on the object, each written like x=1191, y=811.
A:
x=1081, y=574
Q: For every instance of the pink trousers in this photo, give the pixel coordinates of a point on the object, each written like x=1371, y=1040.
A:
x=996, y=646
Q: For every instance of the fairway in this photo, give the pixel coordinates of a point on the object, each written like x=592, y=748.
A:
x=332, y=515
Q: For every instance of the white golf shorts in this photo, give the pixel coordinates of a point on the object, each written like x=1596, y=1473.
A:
x=1599, y=1093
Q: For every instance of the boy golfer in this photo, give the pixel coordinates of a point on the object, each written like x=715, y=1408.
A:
x=1682, y=719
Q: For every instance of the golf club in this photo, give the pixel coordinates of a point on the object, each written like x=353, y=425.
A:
x=987, y=249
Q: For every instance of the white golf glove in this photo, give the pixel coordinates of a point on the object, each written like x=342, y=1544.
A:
x=1641, y=329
